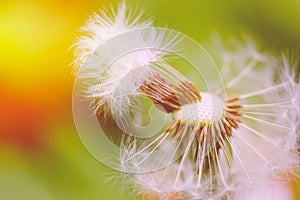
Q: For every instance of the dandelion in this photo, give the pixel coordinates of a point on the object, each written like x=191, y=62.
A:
x=99, y=29
x=112, y=89
x=228, y=146
x=219, y=144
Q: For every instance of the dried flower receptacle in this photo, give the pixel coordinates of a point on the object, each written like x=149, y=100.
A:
x=200, y=117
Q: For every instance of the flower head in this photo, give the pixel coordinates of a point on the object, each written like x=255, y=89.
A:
x=112, y=84
x=228, y=146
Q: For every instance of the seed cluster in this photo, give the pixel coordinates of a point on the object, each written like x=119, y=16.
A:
x=190, y=109
x=207, y=111
x=167, y=96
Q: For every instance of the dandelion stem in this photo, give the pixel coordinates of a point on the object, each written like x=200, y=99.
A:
x=260, y=135
x=260, y=113
x=166, y=135
x=265, y=122
x=263, y=91
x=242, y=74
x=247, y=142
x=201, y=161
x=173, y=155
x=240, y=160
x=220, y=168
x=142, y=150
x=185, y=154
x=265, y=105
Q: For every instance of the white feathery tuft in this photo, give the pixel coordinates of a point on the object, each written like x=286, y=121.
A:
x=112, y=87
x=107, y=24
x=290, y=113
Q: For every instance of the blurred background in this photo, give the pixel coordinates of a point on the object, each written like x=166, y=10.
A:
x=41, y=156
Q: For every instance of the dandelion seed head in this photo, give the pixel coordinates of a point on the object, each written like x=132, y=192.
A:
x=230, y=145
x=113, y=86
x=208, y=111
